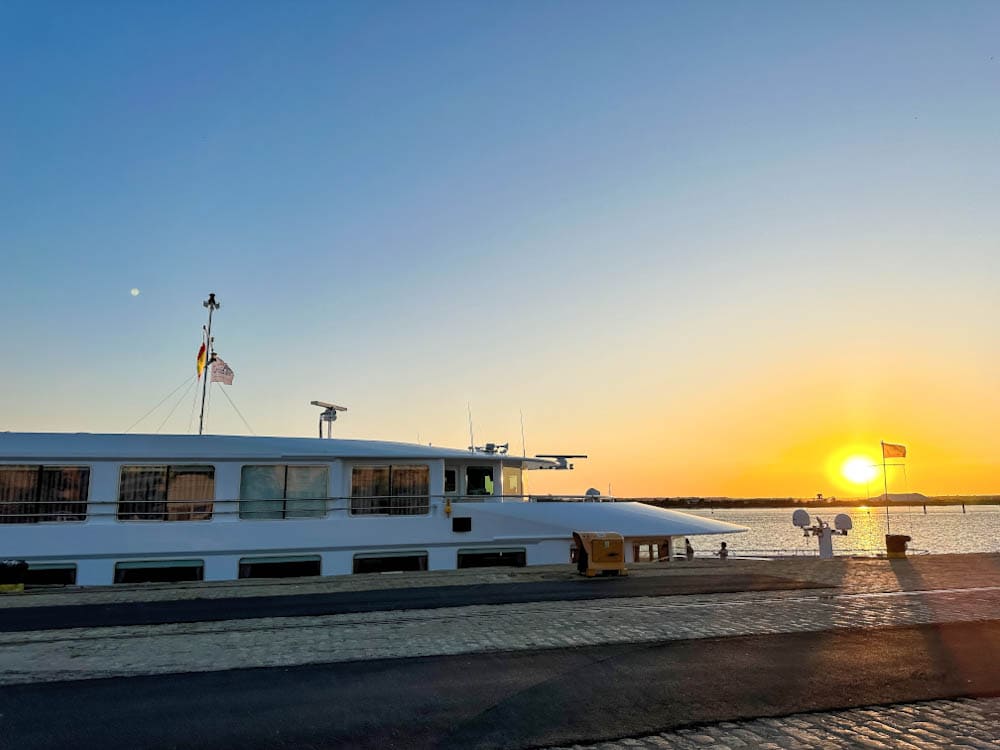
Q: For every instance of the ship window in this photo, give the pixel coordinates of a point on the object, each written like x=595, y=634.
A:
x=492, y=558
x=451, y=480
x=50, y=574
x=166, y=493
x=29, y=494
x=279, y=491
x=159, y=571
x=512, y=481
x=479, y=480
x=280, y=567
x=390, y=562
x=390, y=490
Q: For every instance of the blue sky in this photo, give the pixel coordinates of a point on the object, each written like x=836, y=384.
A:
x=628, y=221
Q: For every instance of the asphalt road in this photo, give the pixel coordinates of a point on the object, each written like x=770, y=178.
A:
x=508, y=700
x=432, y=597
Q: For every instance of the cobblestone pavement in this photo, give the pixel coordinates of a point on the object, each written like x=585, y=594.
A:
x=855, y=594
x=968, y=723
x=284, y=641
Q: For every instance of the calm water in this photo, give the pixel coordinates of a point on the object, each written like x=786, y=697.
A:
x=941, y=530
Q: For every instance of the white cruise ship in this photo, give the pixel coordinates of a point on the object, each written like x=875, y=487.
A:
x=90, y=509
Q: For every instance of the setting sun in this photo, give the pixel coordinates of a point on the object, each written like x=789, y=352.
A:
x=859, y=470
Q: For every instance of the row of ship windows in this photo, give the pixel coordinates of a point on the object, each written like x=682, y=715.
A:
x=33, y=493
x=171, y=571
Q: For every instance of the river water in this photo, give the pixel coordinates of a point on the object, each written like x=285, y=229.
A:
x=943, y=529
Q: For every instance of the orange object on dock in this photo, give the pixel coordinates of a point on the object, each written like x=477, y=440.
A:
x=600, y=552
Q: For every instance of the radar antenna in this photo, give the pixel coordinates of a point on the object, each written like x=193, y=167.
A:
x=821, y=530
x=328, y=415
x=561, y=459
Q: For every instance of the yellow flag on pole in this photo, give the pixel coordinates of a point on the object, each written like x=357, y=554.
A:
x=891, y=450
x=201, y=361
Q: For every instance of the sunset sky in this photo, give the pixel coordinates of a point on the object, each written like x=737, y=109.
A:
x=720, y=247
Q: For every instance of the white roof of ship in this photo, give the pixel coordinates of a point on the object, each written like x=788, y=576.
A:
x=633, y=520
x=83, y=446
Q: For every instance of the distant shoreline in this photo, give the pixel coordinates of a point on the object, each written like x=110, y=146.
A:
x=812, y=502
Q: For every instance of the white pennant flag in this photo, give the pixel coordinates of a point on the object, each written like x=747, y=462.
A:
x=221, y=372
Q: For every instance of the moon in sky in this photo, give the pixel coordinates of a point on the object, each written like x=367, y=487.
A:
x=134, y=292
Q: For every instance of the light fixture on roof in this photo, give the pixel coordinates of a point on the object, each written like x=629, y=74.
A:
x=328, y=415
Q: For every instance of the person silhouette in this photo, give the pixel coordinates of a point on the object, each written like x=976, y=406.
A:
x=688, y=550
x=723, y=552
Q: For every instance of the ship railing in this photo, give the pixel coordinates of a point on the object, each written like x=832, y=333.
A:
x=803, y=552
x=19, y=511
x=790, y=552
x=193, y=509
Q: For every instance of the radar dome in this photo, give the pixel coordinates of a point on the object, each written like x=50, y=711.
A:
x=800, y=518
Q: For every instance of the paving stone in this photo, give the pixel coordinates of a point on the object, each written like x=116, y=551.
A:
x=661, y=743
x=702, y=739
x=970, y=724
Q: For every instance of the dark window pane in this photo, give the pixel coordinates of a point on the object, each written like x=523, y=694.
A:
x=292, y=569
x=166, y=493
x=410, y=486
x=390, y=564
x=18, y=493
x=142, y=493
x=487, y=559
x=63, y=493
x=369, y=489
x=479, y=480
x=51, y=576
x=159, y=573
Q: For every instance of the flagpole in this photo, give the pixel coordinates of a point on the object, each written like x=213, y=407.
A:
x=885, y=479
x=212, y=306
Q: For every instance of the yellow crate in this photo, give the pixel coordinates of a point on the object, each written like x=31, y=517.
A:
x=600, y=553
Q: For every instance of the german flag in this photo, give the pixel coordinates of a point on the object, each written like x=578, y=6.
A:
x=201, y=361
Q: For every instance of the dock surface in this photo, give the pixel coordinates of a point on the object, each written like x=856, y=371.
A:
x=676, y=655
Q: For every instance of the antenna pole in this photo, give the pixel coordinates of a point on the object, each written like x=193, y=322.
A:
x=472, y=439
x=212, y=306
x=524, y=451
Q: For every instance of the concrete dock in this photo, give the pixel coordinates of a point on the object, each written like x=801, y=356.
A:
x=792, y=653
